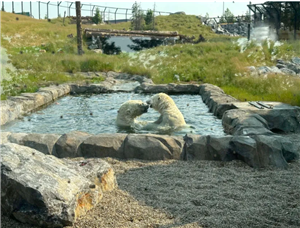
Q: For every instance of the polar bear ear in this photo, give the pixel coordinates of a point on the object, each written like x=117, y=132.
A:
x=128, y=111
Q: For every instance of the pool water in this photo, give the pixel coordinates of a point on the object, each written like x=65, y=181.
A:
x=97, y=114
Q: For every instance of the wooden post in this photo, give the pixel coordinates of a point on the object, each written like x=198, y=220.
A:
x=79, y=35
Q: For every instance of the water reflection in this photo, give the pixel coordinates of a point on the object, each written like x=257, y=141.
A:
x=112, y=45
x=144, y=43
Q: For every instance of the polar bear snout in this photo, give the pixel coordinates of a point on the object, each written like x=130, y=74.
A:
x=145, y=107
x=149, y=103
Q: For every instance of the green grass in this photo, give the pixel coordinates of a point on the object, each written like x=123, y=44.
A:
x=218, y=61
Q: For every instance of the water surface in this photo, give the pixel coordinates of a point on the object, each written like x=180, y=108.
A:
x=97, y=114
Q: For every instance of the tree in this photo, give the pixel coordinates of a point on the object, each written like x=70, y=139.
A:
x=79, y=33
x=97, y=17
x=137, y=19
x=229, y=17
x=149, y=17
x=222, y=20
x=248, y=17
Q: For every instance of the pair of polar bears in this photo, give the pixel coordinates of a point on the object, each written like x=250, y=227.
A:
x=170, y=119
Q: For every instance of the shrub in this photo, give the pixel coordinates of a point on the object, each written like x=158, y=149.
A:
x=97, y=19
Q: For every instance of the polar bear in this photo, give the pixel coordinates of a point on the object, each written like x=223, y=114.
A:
x=170, y=117
x=129, y=111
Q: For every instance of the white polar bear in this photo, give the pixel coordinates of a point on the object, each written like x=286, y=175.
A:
x=129, y=111
x=171, y=117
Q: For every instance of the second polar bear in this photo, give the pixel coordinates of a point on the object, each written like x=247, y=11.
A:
x=170, y=117
x=129, y=111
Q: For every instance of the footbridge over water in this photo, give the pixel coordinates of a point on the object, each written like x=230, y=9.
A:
x=111, y=32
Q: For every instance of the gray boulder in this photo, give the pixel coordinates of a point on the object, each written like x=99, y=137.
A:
x=287, y=71
x=41, y=142
x=168, y=88
x=4, y=137
x=16, y=138
x=42, y=190
x=296, y=60
x=9, y=111
x=290, y=146
x=269, y=152
x=67, y=146
x=280, y=65
x=216, y=99
x=284, y=118
x=195, y=148
x=26, y=104
x=153, y=147
x=261, y=151
x=241, y=122
x=103, y=145
x=245, y=149
x=207, y=148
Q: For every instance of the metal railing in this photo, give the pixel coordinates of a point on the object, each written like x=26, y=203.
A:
x=34, y=9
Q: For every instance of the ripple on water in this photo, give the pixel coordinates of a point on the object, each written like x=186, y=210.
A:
x=97, y=114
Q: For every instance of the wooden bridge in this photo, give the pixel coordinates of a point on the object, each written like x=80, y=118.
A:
x=111, y=32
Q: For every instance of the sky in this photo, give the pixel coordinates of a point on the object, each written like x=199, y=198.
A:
x=213, y=8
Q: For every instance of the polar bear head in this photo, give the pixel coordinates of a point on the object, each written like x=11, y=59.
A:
x=129, y=111
x=161, y=102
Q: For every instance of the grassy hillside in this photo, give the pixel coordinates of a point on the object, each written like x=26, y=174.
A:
x=218, y=61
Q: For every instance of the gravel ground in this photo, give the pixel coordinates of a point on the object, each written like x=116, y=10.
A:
x=196, y=194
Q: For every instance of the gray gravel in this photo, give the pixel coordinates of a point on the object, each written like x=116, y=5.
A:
x=196, y=194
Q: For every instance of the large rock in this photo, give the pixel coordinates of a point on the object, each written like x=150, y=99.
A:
x=240, y=122
x=125, y=76
x=153, y=147
x=97, y=171
x=26, y=103
x=103, y=145
x=56, y=91
x=4, y=137
x=286, y=119
x=169, y=88
x=39, y=98
x=41, y=142
x=10, y=110
x=208, y=148
x=269, y=152
x=288, y=71
x=219, y=148
x=43, y=190
x=68, y=144
x=290, y=146
x=259, y=151
x=16, y=138
x=195, y=148
x=216, y=99
x=93, y=88
x=296, y=60
x=245, y=149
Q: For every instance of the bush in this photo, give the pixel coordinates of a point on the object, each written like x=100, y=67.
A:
x=97, y=19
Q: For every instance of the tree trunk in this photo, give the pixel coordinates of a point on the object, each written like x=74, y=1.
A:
x=79, y=33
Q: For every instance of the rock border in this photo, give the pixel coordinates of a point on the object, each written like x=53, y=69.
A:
x=248, y=129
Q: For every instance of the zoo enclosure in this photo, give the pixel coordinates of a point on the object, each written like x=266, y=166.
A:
x=109, y=14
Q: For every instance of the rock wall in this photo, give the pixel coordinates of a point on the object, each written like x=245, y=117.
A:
x=239, y=119
x=232, y=29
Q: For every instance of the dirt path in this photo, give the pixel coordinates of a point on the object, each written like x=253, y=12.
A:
x=196, y=194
